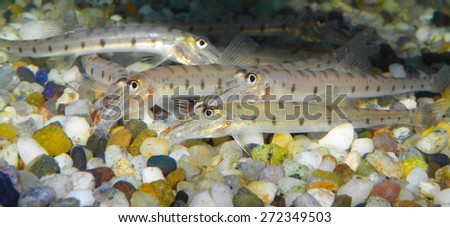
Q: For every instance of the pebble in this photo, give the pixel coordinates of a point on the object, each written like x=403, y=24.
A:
x=363, y=146
x=126, y=188
x=401, y=134
x=78, y=155
x=135, y=146
x=264, y=190
x=63, y=160
x=342, y=201
x=107, y=196
x=22, y=108
x=288, y=185
x=222, y=195
x=101, y=175
x=121, y=138
x=251, y=169
x=85, y=196
x=95, y=163
x=310, y=158
x=69, y=202
x=388, y=190
x=271, y=174
x=423, y=33
x=10, y=154
x=160, y=190
x=282, y=139
x=83, y=180
x=113, y=154
x=9, y=195
x=202, y=199
x=154, y=146
x=29, y=149
x=40, y=196
x=43, y=165
x=151, y=174
x=416, y=176
x=434, y=142
x=397, y=70
x=384, y=164
x=69, y=96
x=53, y=139
x=189, y=167
x=343, y=133
x=429, y=188
x=77, y=129
x=136, y=127
x=165, y=163
x=41, y=76
x=440, y=159
x=7, y=80
x=234, y=182
x=271, y=154
x=410, y=163
x=35, y=99
x=25, y=74
x=323, y=196
x=142, y=199
x=246, y=198
x=353, y=160
x=442, y=197
x=61, y=184
x=305, y=200
x=385, y=142
x=292, y=168
x=53, y=90
x=357, y=188
x=201, y=154
x=344, y=172
x=28, y=179
x=377, y=201
x=78, y=108
x=124, y=167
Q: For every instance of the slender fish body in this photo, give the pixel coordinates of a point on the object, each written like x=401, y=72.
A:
x=106, y=75
x=267, y=117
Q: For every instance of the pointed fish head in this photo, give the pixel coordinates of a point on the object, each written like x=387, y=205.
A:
x=194, y=50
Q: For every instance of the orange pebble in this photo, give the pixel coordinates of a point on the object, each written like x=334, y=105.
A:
x=382, y=130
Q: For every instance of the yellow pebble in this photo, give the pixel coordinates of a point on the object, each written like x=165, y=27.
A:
x=8, y=131
x=16, y=9
x=282, y=139
x=446, y=94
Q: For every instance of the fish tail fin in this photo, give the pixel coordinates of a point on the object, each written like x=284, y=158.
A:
x=439, y=108
x=427, y=114
x=441, y=80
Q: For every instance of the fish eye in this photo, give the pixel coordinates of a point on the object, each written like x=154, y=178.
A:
x=201, y=43
x=134, y=85
x=208, y=113
x=251, y=78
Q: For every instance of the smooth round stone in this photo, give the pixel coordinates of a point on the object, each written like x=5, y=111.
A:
x=10, y=154
x=135, y=146
x=7, y=77
x=83, y=180
x=182, y=196
x=176, y=154
x=434, y=142
x=339, y=138
x=151, y=174
x=29, y=149
x=160, y=190
x=142, y=199
x=106, y=196
x=69, y=202
x=165, y=163
x=251, y=169
x=97, y=144
x=271, y=173
x=353, y=160
x=246, y=198
x=423, y=33
x=442, y=197
x=221, y=195
x=124, y=167
x=385, y=142
x=282, y=139
x=234, y=182
x=95, y=163
x=136, y=127
x=357, y=188
x=288, y=185
x=327, y=165
x=305, y=200
x=101, y=175
x=53, y=139
x=363, y=146
x=79, y=159
x=35, y=99
x=69, y=96
x=344, y=172
x=77, y=129
x=388, y=190
x=61, y=184
x=174, y=177
x=377, y=201
x=28, y=179
x=342, y=201
x=85, y=197
x=292, y=168
x=43, y=165
x=397, y=70
x=78, y=108
x=9, y=194
x=126, y=188
x=121, y=138
x=40, y=196
x=417, y=175
x=310, y=158
x=154, y=146
x=429, y=188
x=8, y=131
x=271, y=154
x=324, y=196
x=25, y=74
x=190, y=167
x=64, y=160
x=264, y=190
x=113, y=154
x=202, y=199
x=440, y=159
x=401, y=133
x=384, y=164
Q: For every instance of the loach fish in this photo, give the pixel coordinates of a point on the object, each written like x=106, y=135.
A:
x=286, y=117
x=169, y=44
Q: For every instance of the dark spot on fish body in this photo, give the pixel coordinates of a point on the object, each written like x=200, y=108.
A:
x=367, y=120
x=92, y=70
x=202, y=84
x=184, y=68
x=198, y=68
x=274, y=120
x=349, y=121
x=367, y=87
x=83, y=45
x=382, y=119
x=103, y=74
x=187, y=84
x=393, y=88
x=191, y=29
x=378, y=89
x=218, y=67
x=219, y=83
x=353, y=89
x=283, y=85
x=398, y=118
x=171, y=86
x=133, y=42
x=412, y=87
x=66, y=47
x=102, y=43
x=422, y=86
x=329, y=121
x=315, y=90
x=20, y=49
x=293, y=88
x=8, y=48
x=301, y=121
x=109, y=78
x=50, y=49
x=404, y=87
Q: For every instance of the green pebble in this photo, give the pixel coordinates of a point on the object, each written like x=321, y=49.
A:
x=328, y=175
x=246, y=198
x=135, y=146
x=136, y=127
x=53, y=139
x=291, y=168
x=43, y=165
x=365, y=168
x=272, y=154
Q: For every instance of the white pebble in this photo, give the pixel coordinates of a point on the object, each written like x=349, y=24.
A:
x=114, y=153
x=10, y=154
x=151, y=174
x=178, y=153
x=139, y=162
x=61, y=184
x=252, y=138
x=94, y=163
x=202, y=199
x=77, y=129
x=68, y=170
x=29, y=149
x=442, y=197
x=434, y=142
x=56, y=76
x=323, y=196
x=339, y=138
x=85, y=197
x=154, y=146
x=353, y=160
x=64, y=160
x=79, y=107
x=310, y=158
x=397, y=70
x=69, y=96
x=414, y=177
x=363, y=146
x=429, y=188
x=61, y=119
x=401, y=133
x=116, y=18
x=423, y=33
x=409, y=102
x=83, y=180
x=357, y=188
x=222, y=195
x=264, y=190
x=72, y=75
